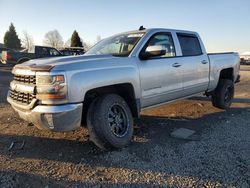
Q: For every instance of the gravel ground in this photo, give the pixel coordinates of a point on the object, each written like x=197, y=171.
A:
x=217, y=155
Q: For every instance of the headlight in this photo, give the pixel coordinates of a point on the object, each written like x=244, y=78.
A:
x=51, y=87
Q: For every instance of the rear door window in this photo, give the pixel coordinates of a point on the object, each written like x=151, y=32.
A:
x=190, y=45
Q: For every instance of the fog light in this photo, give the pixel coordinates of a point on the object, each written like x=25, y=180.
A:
x=49, y=119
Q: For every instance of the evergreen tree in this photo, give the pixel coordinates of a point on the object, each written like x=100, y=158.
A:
x=75, y=40
x=11, y=39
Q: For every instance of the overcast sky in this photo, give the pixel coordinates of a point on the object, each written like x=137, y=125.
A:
x=224, y=25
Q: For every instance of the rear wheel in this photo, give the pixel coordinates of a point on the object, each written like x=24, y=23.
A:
x=110, y=122
x=223, y=94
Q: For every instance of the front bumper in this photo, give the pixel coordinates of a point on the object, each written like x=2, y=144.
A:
x=55, y=118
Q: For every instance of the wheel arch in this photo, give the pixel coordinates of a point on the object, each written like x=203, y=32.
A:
x=227, y=73
x=125, y=90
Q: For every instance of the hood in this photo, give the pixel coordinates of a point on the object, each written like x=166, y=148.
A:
x=65, y=62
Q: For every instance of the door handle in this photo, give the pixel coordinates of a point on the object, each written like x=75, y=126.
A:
x=176, y=65
x=204, y=62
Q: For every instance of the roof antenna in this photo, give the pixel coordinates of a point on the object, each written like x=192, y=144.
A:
x=141, y=28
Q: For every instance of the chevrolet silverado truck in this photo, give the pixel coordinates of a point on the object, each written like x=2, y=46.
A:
x=111, y=83
x=14, y=57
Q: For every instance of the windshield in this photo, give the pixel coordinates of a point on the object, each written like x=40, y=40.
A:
x=119, y=45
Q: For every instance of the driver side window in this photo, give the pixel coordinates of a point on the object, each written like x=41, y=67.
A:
x=165, y=40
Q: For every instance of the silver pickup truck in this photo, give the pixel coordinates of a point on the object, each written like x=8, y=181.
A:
x=110, y=84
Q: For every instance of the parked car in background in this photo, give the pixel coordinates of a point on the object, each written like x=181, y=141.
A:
x=244, y=61
x=111, y=83
x=245, y=58
x=15, y=57
x=73, y=51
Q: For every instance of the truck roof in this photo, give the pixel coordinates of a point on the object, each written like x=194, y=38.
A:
x=158, y=29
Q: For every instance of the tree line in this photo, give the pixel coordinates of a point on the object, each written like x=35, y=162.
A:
x=51, y=38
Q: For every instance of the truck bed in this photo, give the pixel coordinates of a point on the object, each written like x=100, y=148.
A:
x=220, y=61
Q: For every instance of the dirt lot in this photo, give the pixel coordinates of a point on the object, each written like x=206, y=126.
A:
x=218, y=155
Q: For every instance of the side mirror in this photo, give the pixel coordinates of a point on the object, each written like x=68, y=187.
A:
x=153, y=51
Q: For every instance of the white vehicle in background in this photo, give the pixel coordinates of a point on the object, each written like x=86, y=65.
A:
x=117, y=78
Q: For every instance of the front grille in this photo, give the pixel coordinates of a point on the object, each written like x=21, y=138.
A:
x=26, y=79
x=21, y=97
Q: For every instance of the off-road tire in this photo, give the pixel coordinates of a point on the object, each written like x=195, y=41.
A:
x=223, y=95
x=99, y=125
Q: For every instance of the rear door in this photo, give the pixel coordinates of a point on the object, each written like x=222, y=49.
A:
x=161, y=79
x=195, y=64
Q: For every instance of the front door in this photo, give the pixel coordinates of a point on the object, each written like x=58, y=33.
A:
x=161, y=77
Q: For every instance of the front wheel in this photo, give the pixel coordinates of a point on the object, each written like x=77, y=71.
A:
x=223, y=94
x=110, y=122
